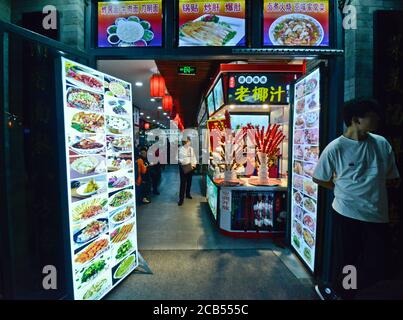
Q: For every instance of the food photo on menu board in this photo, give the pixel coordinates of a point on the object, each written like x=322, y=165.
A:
x=99, y=159
x=130, y=24
x=296, y=23
x=212, y=23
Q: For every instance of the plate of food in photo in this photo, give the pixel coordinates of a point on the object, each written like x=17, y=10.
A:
x=119, y=143
x=298, y=227
x=296, y=30
x=298, y=198
x=124, y=249
x=93, y=271
x=85, y=122
x=91, y=231
x=298, y=212
x=89, y=209
x=311, y=153
x=84, y=100
x=312, y=136
x=310, y=187
x=122, y=233
x=122, y=215
x=117, y=125
x=298, y=168
x=86, y=145
x=308, y=237
x=212, y=30
x=298, y=183
x=309, y=222
x=76, y=75
x=298, y=152
x=115, y=182
x=121, y=162
x=309, y=169
x=92, y=251
x=296, y=241
x=308, y=254
x=121, y=198
x=90, y=188
x=96, y=290
x=310, y=205
x=125, y=267
x=300, y=105
x=300, y=122
x=312, y=119
x=299, y=137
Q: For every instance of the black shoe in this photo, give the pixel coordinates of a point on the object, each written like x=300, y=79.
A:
x=180, y=203
x=189, y=197
x=326, y=293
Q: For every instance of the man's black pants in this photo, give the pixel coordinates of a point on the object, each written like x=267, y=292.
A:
x=186, y=183
x=363, y=245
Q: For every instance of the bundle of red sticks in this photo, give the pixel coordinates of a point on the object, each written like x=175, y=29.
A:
x=266, y=141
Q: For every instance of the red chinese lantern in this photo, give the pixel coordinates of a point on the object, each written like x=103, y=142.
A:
x=157, y=86
x=167, y=103
x=146, y=126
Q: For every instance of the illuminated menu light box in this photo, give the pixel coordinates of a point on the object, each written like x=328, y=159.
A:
x=130, y=23
x=306, y=149
x=98, y=127
x=216, y=23
x=296, y=23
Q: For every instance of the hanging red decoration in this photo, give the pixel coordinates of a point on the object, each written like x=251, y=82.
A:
x=146, y=126
x=157, y=86
x=167, y=103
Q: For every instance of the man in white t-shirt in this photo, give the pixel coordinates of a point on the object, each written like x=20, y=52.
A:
x=358, y=166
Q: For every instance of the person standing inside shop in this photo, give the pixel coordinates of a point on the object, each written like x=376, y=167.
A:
x=155, y=171
x=358, y=166
x=142, y=177
x=187, y=163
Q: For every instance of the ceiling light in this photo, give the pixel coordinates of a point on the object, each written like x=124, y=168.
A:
x=168, y=117
x=142, y=113
x=153, y=120
x=139, y=84
x=148, y=117
x=159, y=108
x=165, y=113
x=152, y=100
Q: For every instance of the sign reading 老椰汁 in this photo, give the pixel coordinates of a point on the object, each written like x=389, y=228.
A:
x=257, y=88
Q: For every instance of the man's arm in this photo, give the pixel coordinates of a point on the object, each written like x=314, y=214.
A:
x=325, y=184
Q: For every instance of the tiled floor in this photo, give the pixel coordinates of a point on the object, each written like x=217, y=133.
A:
x=190, y=259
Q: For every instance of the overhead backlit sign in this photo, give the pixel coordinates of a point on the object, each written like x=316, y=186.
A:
x=187, y=70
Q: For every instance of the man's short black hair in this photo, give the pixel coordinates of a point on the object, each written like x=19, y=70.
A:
x=359, y=108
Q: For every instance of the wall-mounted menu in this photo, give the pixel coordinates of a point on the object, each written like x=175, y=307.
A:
x=130, y=23
x=212, y=23
x=99, y=157
x=305, y=157
x=296, y=23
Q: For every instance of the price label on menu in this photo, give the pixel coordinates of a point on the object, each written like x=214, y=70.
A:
x=100, y=169
x=305, y=156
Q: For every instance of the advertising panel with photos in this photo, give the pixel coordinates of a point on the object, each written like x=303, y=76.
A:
x=130, y=23
x=296, y=23
x=305, y=157
x=99, y=156
x=216, y=23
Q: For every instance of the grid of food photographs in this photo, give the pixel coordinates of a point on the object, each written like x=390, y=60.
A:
x=100, y=168
x=305, y=158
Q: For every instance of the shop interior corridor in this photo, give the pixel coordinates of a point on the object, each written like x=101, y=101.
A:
x=182, y=243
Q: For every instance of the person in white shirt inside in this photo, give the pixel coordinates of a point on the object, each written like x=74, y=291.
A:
x=358, y=166
x=187, y=163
